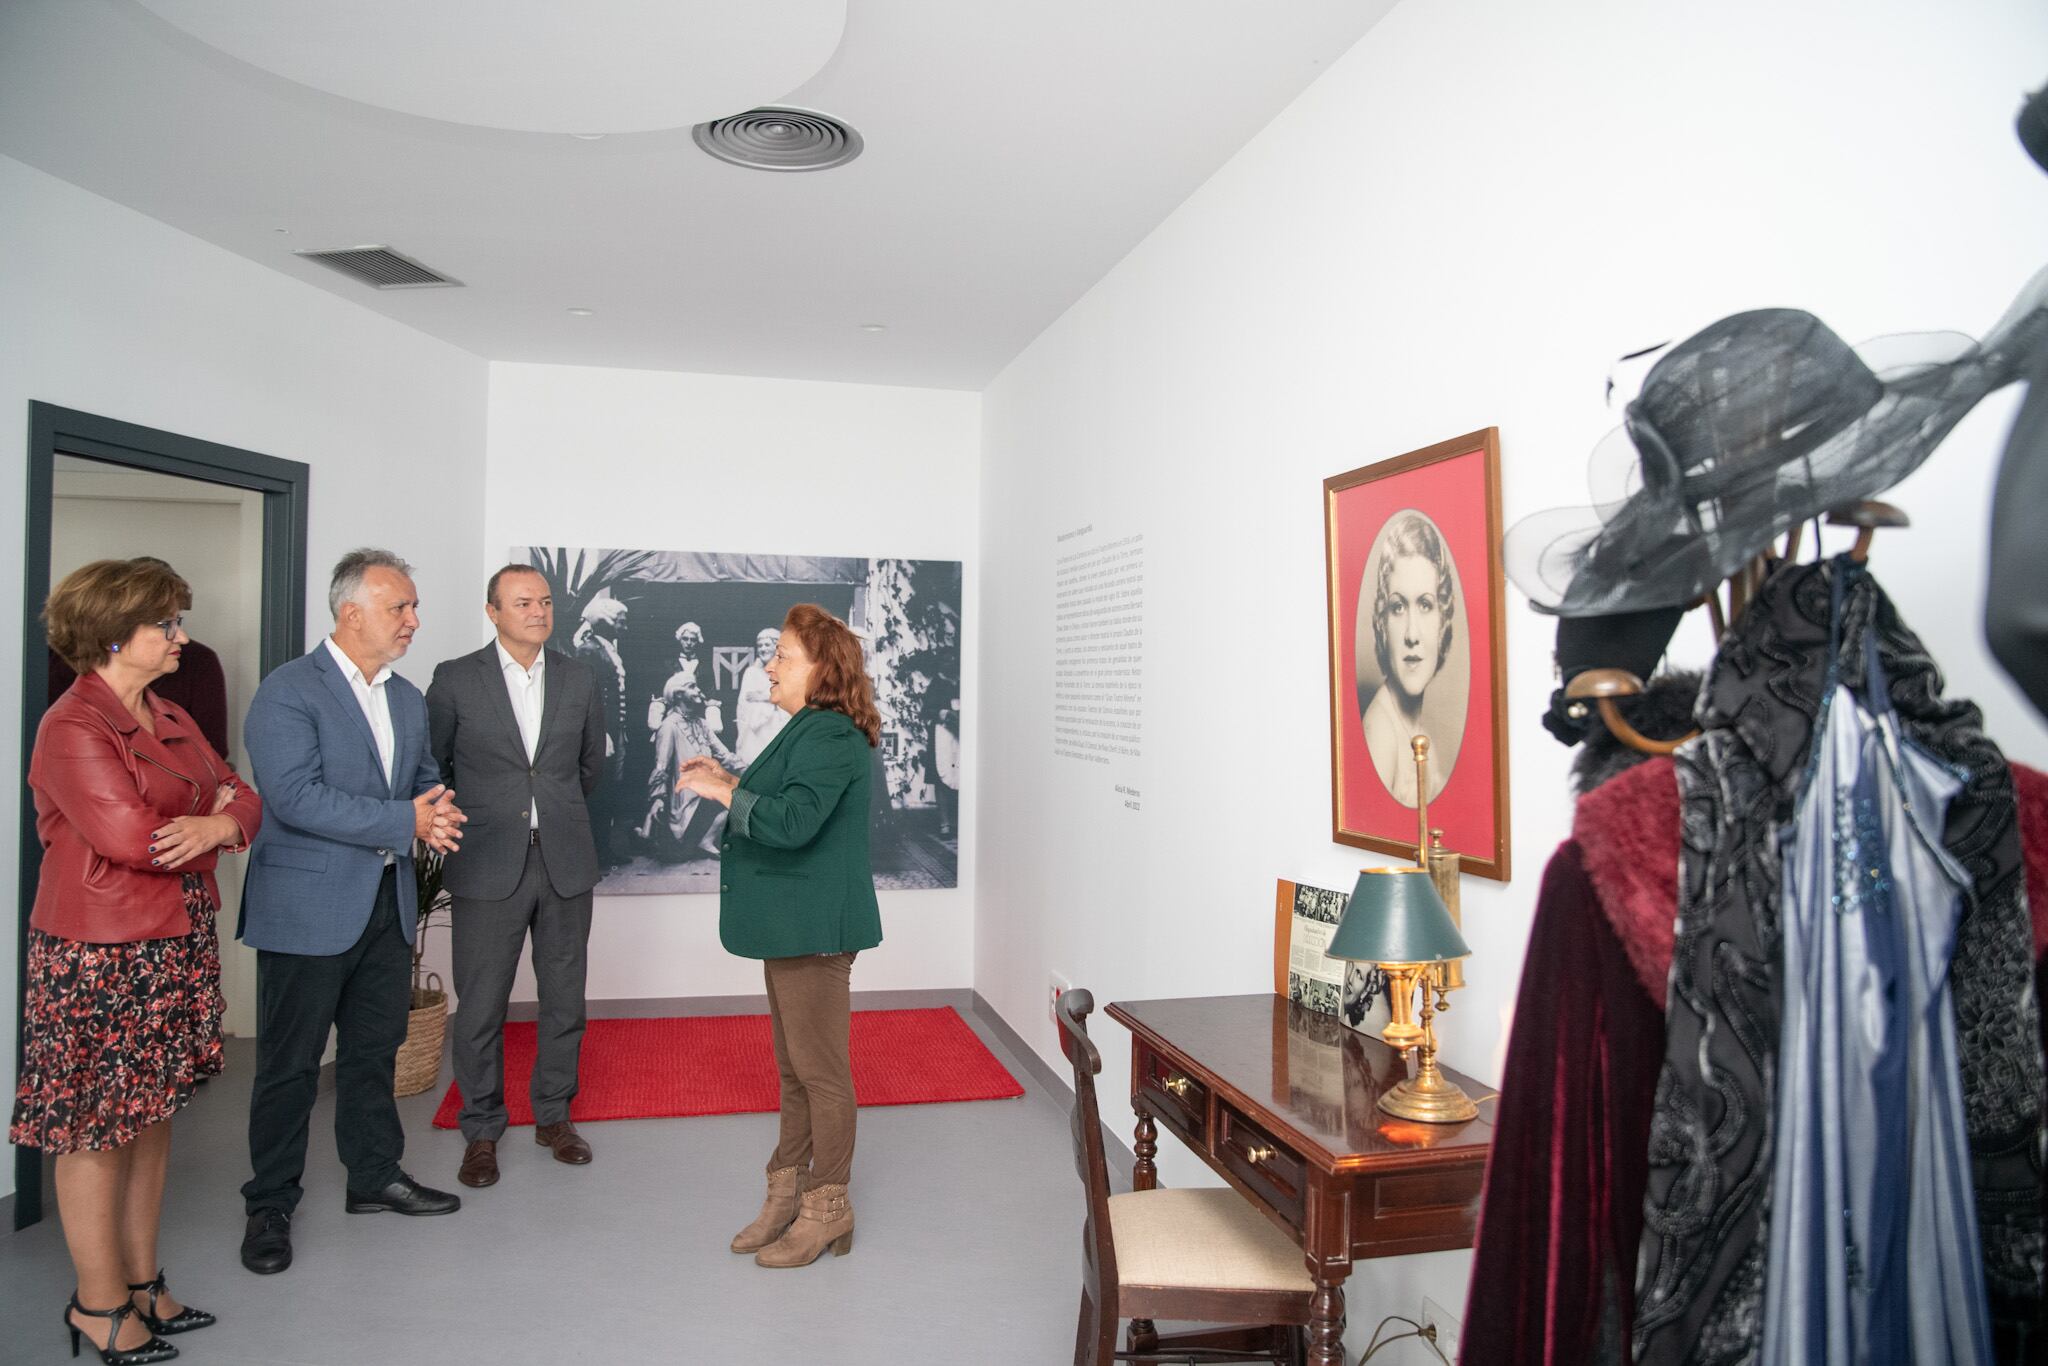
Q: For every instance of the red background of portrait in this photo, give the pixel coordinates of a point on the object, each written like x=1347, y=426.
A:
x=1453, y=493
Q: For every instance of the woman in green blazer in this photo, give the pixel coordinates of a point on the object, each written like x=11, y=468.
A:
x=796, y=891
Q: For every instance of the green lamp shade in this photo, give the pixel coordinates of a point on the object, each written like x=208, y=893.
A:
x=1396, y=916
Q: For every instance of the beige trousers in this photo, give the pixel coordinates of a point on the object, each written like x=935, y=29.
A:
x=809, y=1005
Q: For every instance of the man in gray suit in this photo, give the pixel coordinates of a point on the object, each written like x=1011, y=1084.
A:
x=338, y=745
x=522, y=728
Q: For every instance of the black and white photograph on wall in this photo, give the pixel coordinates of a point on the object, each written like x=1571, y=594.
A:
x=1414, y=663
x=680, y=641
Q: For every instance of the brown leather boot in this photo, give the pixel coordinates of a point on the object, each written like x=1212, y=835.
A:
x=823, y=1219
x=776, y=1211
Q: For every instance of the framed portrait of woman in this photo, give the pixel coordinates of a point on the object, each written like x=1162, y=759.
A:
x=1417, y=648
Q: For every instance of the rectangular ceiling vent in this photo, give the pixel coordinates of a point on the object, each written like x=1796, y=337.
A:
x=379, y=267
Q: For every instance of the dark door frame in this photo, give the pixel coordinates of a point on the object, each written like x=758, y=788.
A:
x=54, y=431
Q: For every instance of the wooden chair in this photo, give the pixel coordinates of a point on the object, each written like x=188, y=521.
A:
x=1205, y=1255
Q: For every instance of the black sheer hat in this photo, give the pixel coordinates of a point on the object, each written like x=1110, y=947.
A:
x=1755, y=424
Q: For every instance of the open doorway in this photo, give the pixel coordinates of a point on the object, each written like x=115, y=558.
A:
x=212, y=534
x=233, y=524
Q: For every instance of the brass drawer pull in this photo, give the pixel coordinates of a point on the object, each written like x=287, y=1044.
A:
x=1177, y=1085
x=1259, y=1152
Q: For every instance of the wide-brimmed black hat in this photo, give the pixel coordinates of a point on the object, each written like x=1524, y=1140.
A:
x=1756, y=423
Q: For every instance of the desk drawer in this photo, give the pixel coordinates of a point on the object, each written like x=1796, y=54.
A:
x=1416, y=1211
x=1267, y=1166
x=1178, y=1096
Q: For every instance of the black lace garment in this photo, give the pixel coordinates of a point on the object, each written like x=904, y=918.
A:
x=1699, y=1284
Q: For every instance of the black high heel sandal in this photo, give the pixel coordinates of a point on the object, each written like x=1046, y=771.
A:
x=184, y=1321
x=156, y=1349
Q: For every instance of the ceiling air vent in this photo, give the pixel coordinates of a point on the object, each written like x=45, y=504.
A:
x=772, y=139
x=379, y=267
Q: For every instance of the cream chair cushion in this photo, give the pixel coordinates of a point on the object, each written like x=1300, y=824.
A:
x=1210, y=1238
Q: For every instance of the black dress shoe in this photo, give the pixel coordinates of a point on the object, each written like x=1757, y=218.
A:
x=404, y=1196
x=267, y=1246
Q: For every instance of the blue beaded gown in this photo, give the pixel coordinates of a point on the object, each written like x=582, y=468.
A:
x=1874, y=1249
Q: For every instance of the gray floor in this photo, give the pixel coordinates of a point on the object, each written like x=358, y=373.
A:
x=968, y=1247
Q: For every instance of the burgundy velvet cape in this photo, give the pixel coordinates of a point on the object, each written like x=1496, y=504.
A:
x=1553, y=1274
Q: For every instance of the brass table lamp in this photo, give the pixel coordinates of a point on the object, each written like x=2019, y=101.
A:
x=1397, y=921
x=1430, y=853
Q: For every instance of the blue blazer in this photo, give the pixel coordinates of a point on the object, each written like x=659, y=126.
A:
x=329, y=816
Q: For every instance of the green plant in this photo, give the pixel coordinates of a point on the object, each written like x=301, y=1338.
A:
x=435, y=899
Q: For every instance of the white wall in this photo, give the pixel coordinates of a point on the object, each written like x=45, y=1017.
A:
x=1459, y=226
x=660, y=461
x=115, y=314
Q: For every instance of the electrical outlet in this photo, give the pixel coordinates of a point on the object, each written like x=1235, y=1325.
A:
x=1056, y=986
x=1441, y=1327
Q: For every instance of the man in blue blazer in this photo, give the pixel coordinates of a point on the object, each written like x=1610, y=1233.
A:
x=338, y=745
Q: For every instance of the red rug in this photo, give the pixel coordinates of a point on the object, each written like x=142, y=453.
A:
x=725, y=1065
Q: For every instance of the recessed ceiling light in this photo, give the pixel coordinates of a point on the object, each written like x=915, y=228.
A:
x=588, y=137
x=874, y=327
x=581, y=312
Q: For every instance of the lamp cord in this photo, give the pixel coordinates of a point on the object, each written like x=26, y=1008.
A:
x=1415, y=1330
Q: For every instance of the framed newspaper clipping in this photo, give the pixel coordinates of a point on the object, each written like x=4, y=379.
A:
x=1304, y=918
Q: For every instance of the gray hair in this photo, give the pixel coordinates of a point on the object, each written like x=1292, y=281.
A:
x=350, y=570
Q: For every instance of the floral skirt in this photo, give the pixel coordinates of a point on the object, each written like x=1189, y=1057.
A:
x=115, y=1036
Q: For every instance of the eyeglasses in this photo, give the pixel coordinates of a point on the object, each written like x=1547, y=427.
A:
x=170, y=628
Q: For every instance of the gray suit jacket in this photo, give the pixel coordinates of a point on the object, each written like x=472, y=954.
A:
x=476, y=741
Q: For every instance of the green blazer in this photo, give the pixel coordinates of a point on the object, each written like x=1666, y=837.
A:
x=794, y=876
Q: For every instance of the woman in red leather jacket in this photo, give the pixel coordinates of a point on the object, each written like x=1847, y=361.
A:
x=122, y=1014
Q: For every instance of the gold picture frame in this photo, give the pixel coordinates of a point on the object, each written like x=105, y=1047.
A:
x=1418, y=645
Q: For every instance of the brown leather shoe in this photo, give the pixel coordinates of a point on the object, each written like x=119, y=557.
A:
x=479, y=1163
x=569, y=1146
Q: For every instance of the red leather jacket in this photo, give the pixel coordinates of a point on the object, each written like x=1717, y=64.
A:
x=102, y=786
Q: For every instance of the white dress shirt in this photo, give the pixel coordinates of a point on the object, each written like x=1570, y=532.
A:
x=528, y=690
x=376, y=705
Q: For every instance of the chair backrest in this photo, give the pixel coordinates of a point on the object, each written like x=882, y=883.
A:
x=1098, y=1252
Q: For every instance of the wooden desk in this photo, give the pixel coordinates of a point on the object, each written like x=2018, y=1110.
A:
x=1282, y=1102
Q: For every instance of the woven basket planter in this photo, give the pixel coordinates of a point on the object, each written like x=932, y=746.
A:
x=419, y=1057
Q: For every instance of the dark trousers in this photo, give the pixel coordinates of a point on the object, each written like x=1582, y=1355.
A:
x=489, y=936
x=810, y=1008
x=364, y=994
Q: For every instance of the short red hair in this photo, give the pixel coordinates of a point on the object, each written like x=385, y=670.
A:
x=839, y=676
